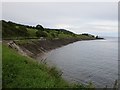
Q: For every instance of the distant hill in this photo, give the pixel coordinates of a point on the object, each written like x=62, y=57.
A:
x=11, y=30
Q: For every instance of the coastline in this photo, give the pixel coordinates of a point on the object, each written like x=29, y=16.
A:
x=35, y=48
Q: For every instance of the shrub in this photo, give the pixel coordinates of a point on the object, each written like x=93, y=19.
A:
x=41, y=33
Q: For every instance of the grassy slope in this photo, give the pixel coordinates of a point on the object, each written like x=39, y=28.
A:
x=0, y=65
x=20, y=71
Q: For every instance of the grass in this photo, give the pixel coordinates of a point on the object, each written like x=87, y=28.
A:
x=0, y=65
x=20, y=71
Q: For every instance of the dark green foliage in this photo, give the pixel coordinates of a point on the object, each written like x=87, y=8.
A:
x=93, y=36
x=86, y=34
x=40, y=33
x=10, y=30
x=22, y=31
x=53, y=35
x=39, y=27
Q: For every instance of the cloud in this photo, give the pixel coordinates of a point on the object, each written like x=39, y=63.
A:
x=76, y=16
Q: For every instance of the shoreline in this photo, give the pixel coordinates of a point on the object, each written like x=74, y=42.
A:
x=35, y=48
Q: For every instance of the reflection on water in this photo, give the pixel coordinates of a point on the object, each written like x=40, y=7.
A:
x=86, y=61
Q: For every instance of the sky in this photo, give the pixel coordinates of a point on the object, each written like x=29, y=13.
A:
x=97, y=18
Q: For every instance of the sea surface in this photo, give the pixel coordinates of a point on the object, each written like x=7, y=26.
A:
x=93, y=61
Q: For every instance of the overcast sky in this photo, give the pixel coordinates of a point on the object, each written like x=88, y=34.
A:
x=98, y=18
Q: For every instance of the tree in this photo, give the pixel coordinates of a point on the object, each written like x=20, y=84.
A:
x=86, y=34
x=97, y=37
x=22, y=31
x=41, y=33
x=53, y=35
x=39, y=27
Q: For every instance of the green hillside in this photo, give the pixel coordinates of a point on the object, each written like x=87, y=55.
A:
x=12, y=30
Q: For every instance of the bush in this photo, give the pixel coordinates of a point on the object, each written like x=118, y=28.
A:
x=41, y=33
x=22, y=31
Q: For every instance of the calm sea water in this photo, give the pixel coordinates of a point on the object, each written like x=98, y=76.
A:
x=86, y=61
